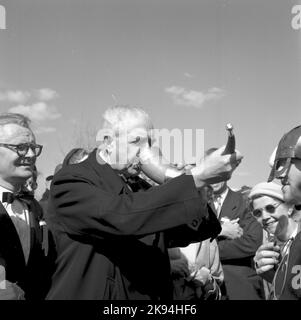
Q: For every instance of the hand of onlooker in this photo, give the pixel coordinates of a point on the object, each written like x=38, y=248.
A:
x=203, y=275
x=179, y=267
x=231, y=229
x=215, y=167
x=11, y=291
x=205, y=285
x=266, y=257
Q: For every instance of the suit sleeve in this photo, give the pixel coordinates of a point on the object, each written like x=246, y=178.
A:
x=247, y=244
x=80, y=208
x=183, y=235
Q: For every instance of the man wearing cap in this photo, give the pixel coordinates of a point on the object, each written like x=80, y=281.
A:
x=287, y=168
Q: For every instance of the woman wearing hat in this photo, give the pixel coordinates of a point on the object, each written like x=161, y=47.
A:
x=275, y=216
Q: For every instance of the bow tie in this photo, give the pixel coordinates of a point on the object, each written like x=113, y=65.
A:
x=10, y=197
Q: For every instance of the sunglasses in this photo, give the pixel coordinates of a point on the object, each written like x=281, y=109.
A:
x=270, y=208
x=22, y=148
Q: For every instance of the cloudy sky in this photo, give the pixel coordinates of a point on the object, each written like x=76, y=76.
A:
x=190, y=63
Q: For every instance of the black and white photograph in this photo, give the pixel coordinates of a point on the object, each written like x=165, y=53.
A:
x=150, y=150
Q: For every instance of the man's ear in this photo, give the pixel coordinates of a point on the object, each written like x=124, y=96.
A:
x=105, y=136
x=108, y=143
x=107, y=140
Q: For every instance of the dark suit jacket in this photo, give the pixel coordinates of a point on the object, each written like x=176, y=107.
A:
x=32, y=278
x=110, y=243
x=44, y=202
x=237, y=255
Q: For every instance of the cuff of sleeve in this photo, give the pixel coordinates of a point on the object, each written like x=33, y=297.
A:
x=196, y=210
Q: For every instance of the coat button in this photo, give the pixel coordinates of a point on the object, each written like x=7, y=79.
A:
x=195, y=223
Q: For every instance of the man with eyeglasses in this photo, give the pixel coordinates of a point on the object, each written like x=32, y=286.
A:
x=21, y=254
x=287, y=167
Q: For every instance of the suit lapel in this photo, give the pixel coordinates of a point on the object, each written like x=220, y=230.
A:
x=9, y=237
x=228, y=206
x=35, y=230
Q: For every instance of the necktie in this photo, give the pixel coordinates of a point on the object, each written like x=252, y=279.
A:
x=218, y=204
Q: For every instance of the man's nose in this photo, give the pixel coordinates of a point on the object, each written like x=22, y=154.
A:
x=30, y=153
x=265, y=216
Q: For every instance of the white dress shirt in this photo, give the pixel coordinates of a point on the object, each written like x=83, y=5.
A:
x=19, y=214
x=218, y=201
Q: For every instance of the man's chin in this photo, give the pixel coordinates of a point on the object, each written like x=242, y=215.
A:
x=272, y=228
x=25, y=172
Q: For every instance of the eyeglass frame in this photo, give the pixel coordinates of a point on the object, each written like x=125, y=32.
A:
x=265, y=209
x=14, y=147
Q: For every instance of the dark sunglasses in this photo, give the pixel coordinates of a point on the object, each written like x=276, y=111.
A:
x=270, y=208
x=23, y=148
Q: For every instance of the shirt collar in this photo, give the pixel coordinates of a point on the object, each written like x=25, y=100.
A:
x=221, y=196
x=294, y=233
x=102, y=158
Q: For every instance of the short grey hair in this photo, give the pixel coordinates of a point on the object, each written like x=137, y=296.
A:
x=119, y=117
x=14, y=118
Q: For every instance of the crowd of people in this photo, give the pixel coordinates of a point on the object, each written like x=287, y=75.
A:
x=115, y=224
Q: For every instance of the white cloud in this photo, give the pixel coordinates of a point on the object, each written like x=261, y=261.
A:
x=46, y=94
x=188, y=75
x=192, y=98
x=41, y=130
x=17, y=96
x=39, y=111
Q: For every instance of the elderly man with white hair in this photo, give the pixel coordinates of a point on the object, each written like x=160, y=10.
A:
x=112, y=242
